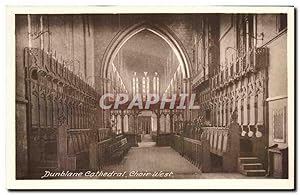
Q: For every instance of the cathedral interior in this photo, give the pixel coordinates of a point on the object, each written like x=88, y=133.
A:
x=235, y=64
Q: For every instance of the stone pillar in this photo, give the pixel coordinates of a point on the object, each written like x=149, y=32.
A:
x=154, y=122
x=126, y=121
x=189, y=87
x=186, y=90
x=135, y=126
x=105, y=113
x=162, y=122
x=122, y=121
x=119, y=122
x=168, y=123
x=158, y=114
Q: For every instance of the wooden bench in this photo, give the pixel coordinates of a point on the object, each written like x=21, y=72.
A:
x=118, y=150
x=125, y=145
x=77, y=142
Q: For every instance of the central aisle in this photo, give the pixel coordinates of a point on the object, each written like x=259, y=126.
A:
x=147, y=141
x=148, y=159
x=155, y=159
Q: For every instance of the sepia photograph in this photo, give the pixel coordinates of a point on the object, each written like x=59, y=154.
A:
x=132, y=95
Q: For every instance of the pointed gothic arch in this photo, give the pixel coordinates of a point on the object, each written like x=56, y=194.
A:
x=160, y=30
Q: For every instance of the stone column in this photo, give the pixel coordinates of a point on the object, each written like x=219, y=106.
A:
x=119, y=122
x=105, y=113
x=162, y=122
x=126, y=125
x=158, y=125
x=135, y=116
x=187, y=90
x=122, y=121
x=168, y=124
x=184, y=83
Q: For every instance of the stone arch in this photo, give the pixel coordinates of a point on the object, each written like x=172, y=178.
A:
x=162, y=31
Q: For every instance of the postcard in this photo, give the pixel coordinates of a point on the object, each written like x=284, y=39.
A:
x=150, y=98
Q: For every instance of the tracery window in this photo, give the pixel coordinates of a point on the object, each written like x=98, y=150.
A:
x=145, y=85
x=135, y=84
x=156, y=83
